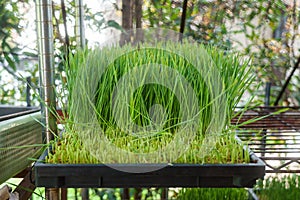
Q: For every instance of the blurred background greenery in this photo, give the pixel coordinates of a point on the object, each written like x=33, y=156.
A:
x=266, y=31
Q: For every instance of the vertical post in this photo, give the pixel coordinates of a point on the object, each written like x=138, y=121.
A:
x=164, y=194
x=46, y=72
x=267, y=94
x=46, y=65
x=264, y=131
x=28, y=94
x=79, y=24
x=84, y=194
x=183, y=16
x=183, y=19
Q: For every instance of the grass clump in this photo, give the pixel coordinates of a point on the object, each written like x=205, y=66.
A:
x=70, y=149
x=276, y=188
x=213, y=194
x=171, y=102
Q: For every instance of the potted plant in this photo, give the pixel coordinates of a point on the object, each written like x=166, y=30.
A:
x=152, y=114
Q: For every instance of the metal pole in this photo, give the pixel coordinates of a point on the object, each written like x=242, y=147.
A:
x=79, y=24
x=297, y=64
x=46, y=65
x=183, y=16
x=46, y=72
x=28, y=94
x=267, y=94
x=264, y=131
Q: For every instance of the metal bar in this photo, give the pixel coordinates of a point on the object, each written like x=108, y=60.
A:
x=263, y=139
x=46, y=72
x=28, y=87
x=267, y=94
x=272, y=152
x=297, y=64
x=270, y=126
x=46, y=65
x=276, y=148
x=183, y=19
x=252, y=193
x=278, y=135
x=40, y=58
x=285, y=164
x=291, y=145
x=283, y=171
x=79, y=24
x=256, y=147
x=164, y=194
x=274, y=140
x=281, y=158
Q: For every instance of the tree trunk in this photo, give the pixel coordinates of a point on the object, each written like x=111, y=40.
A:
x=126, y=20
x=138, y=13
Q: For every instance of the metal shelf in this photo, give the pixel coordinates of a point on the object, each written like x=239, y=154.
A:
x=18, y=136
x=275, y=139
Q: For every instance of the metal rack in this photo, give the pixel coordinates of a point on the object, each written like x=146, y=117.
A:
x=19, y=127
x=274, y=138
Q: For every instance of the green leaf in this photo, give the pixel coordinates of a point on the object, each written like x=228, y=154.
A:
x=114, y=24
x=10, y=62
x=30, y=54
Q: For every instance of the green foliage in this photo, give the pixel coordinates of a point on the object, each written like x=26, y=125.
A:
x=9, y=23
x=213, y=194
x=9, y=51
x=13, y=55
x=267, y=31
x=162, y=14
x=64, y=40
x=91, y=96
x=279, y=187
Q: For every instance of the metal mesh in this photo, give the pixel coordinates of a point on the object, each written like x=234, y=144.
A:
x=275, y=138
x=15, y=135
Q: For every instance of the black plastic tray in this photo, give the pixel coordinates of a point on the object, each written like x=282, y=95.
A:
x=173, y=175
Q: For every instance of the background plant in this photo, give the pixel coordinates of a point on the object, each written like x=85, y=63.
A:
x=266, y=31
x=11, y=52
x=278, y=187
x=213, y=193
x=18, y=60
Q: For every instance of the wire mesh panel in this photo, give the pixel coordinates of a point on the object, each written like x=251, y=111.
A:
x=275, y=138
x=18, y=139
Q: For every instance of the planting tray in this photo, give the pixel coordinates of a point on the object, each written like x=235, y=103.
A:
x=19, y=130
x=173, y=175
